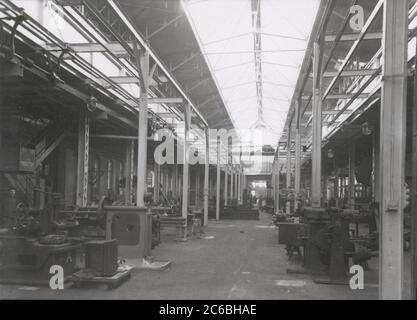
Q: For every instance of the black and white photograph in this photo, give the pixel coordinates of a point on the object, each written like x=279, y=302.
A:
x=208, y=156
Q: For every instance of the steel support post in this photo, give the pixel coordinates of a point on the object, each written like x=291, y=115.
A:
x=414, y=193
x=374, y=161
x=82, y=161
x=239, y=185
x=392, y=147
x=244, y=183
x=129, y=171
x=185, y=172
x=277, y=169
x=232, y=175
x=42, y=194
x=158, y=180
x=317, y=129
x=273, y=182
x=336, y=190
x=197, y=186
x=236, y=183
x=206, y=178
x=288, y=166
x=175, y=182
x=351, y=193
x=142, y=58
x=218, y=181
x=226, y=183
x=297, y=174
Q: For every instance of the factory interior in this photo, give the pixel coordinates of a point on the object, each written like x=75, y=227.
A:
x=208, y=149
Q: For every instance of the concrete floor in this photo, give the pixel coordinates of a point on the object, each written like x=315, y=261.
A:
x=238, y=260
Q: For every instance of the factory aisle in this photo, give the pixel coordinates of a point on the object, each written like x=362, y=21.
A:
x=233, y=260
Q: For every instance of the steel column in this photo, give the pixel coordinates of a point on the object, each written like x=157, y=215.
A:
x=297, y=175
x=206, y=178
x=232, y=174
x=277, y=185
x=242, y=180
x=142, y=59
x=226, y=183
x=414, y=192
x=129, y=171
x=392, y=147
x=197, y=186
x=82, y=163
x=157, y=179
x=236, y=190
x=185, y=173
x=288, y=179
x=317, y=129
x=244, y=184
x=273, y=182
x=218, y=181
x=351, y=193
x=239, y=185
x=175, y=182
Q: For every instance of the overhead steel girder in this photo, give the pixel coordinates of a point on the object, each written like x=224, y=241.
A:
x=165, y=100
x=268, y=154
x=354, y=37
x=357, y=95
x=111, y=17
x=342, y=96
x=131, y=29
x=339, y=35
x=114, y=47
x=166, y=115
x=125, y=80
x=285, y=141
x=169, y=100
x=42, y=73
x=65, y=3
x=349, y=73
x=354, y=47
x=327, y=112
x=75, y=92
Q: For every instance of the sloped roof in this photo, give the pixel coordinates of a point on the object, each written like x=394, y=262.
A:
x=170, y=35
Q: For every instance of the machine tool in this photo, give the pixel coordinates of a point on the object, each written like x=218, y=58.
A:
x=42, y=238
x=327, y=241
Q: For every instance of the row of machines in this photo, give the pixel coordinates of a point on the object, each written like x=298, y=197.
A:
x=235, y=211
x=92, y=238
x=239, y=212
x=328, y=241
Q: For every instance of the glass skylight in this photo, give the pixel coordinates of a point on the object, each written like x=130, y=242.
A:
x=226, y=36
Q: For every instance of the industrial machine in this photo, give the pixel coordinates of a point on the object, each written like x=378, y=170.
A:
x=235, y=211
x=101, y=256
x=132, y=228
x=327, y=241
x=32, y=245
x=28, y=260
x=89, y=237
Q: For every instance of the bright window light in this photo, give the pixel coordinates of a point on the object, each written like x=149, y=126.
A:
x=224, y=30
